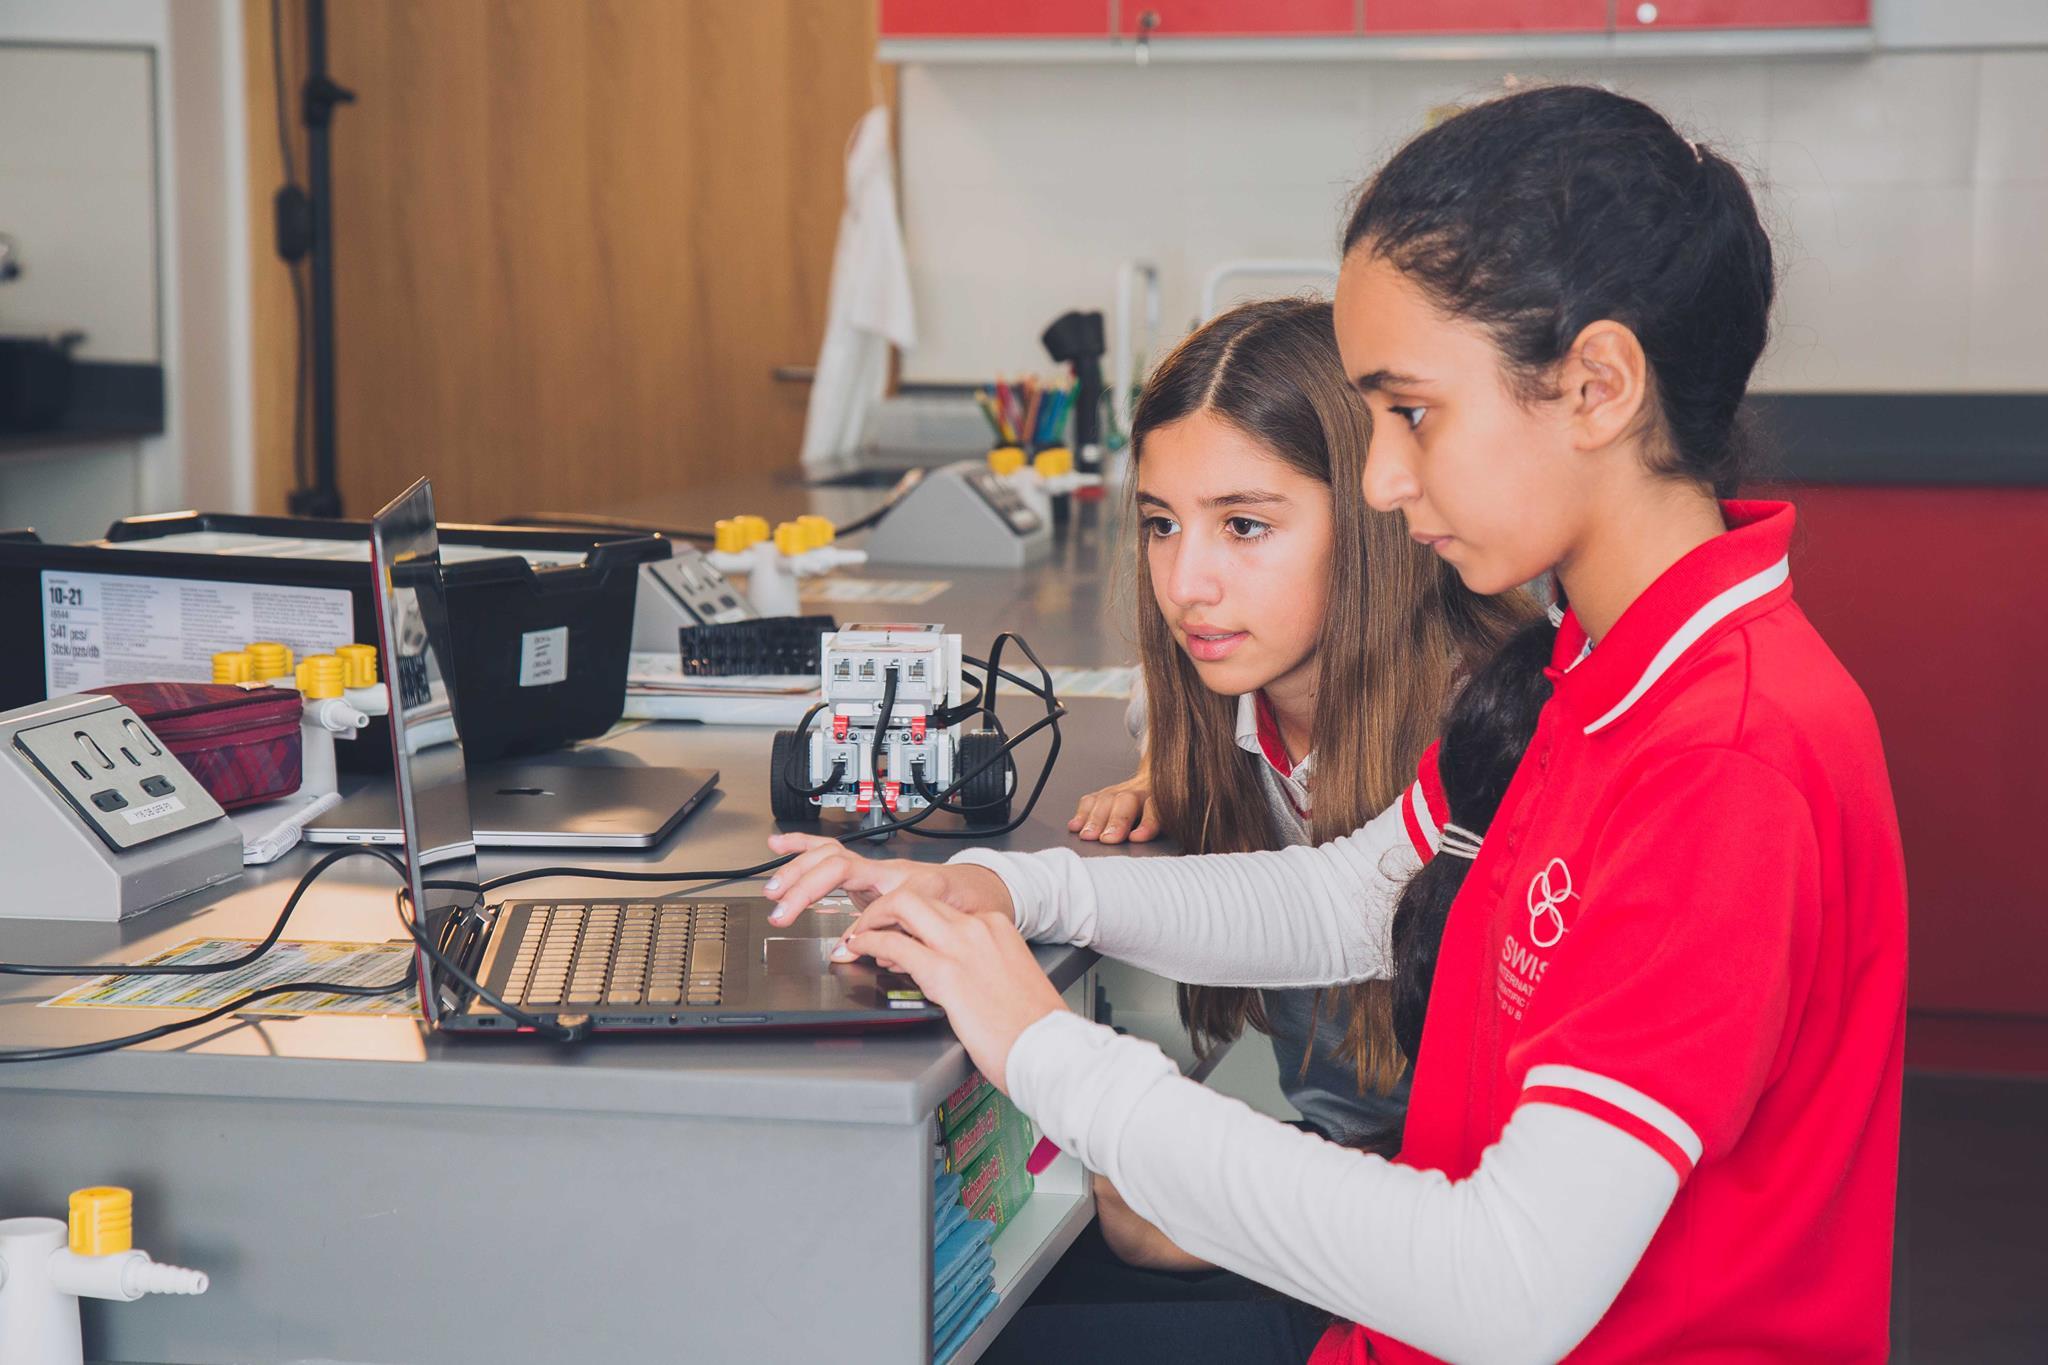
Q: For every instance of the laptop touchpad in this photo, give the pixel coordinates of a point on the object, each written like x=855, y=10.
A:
x=796, y=956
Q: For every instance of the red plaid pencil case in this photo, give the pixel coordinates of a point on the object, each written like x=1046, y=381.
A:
x=241, y=743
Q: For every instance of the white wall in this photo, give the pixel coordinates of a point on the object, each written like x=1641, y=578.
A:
x=195, y=319
x=1906, y=190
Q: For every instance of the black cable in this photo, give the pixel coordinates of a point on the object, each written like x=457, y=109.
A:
x=900, y=490
x=953, y=715
x=240, y=1002
x=300, y=324
x=301, y=447
x=794, y=781
x=559, y=1032
x=284, y=137
x=553, y=522
x=210, y=968
x=305, y=883
x=884, y=713
x=1054, y=713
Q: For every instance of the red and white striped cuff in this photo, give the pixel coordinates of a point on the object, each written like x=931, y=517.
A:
x=1421, y=823
x=1619, y=1106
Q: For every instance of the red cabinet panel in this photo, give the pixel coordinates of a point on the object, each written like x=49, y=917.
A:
x=1241, y=18
x=1931, y=598
x=995, y=18
x=1634, y=16
x=1384, y=17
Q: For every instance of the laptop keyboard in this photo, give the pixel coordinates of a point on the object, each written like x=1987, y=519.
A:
x=583, y=955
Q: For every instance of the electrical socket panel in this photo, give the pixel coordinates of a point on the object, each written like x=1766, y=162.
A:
x=686, y=589
x=117, y=776
x=964, y=515
x=98, y=819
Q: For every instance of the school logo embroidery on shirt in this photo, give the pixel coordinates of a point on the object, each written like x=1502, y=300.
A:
x=1522, y=966
x=1548, y=892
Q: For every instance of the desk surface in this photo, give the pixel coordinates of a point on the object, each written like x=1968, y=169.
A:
x=761, y=1198
x=883, y=1077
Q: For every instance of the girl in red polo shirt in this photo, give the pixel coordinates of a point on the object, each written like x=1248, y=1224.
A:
x=1655, y=1111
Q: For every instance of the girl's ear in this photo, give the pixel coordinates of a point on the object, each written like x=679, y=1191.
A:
x=1605, y=382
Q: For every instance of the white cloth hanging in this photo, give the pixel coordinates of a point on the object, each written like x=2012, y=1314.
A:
x=870, y=306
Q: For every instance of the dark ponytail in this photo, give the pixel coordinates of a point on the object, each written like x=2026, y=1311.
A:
x=1484, y=737
x=1542, y=212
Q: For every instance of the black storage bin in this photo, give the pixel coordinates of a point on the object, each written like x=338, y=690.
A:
x=516, y=621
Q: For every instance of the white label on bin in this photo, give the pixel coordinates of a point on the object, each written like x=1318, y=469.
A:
x=543, y=657
x=170, y=805
x=100, y=629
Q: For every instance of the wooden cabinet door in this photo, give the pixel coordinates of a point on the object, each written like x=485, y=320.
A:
x=1419, y=17
x=995, y=18
x=1642, y=15
x=1240, y=18
x=572, y=243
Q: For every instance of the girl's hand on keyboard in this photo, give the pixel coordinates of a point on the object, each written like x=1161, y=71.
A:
x=977, y=967
x=823, y=866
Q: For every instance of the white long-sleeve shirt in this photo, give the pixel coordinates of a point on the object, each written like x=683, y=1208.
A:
x=1515, y=1263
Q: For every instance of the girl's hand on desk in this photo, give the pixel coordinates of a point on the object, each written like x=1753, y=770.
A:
x=977, y=967
x=1121, y=810
x=823, y=866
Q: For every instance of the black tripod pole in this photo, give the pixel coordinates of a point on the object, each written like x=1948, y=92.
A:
x=321, y=94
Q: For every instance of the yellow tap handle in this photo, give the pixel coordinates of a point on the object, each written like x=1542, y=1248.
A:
x=273, y=660
x=320, y=677
x=818, y=532
x=102, y=1220
x=358, y=665
x=1054, y=461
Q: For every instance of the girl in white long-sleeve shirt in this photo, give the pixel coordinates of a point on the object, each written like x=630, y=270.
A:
x=1656, y=1102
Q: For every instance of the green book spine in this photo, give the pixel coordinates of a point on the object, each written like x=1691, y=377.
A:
x=976, y=1131
x=957, y=1107
x=1001, y=1200
x=999, y=1174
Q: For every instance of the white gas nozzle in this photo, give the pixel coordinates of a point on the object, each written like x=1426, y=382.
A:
x=337, y=714
x=124, y=1276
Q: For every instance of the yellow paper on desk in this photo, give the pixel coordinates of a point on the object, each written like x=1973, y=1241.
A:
x=347, y=964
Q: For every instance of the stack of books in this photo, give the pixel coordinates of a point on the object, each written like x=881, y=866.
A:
x=981, y=1146
x=963, y=1269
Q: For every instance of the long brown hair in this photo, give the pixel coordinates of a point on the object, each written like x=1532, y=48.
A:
x=1397, y=623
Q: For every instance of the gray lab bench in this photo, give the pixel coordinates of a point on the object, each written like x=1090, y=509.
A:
x=360, y=1191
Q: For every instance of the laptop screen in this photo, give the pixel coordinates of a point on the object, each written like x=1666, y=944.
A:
x=433, y=790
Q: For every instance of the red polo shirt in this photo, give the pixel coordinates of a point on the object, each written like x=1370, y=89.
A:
x=1688, y=920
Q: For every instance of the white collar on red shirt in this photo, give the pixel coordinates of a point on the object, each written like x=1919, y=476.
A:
x=1258, y=732
x=1690, y=602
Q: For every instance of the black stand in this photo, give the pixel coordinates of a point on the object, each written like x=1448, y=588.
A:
x=1076, y=339
x=320, y=96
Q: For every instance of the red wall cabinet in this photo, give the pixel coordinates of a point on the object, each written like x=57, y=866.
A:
x=1171, y=19
x=995, y=18
x=1930, y=598
x=1240, y=18
x=1410, y=18
x=1638, y=16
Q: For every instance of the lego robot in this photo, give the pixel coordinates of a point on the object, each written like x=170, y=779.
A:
x=887, y=739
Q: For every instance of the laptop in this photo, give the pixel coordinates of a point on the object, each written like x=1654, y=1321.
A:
x=588, y=798
x=614, y=963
